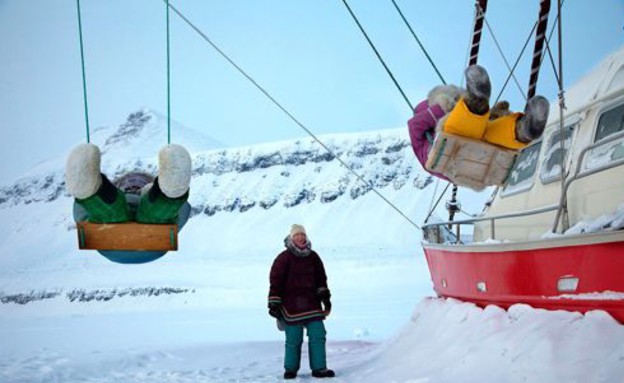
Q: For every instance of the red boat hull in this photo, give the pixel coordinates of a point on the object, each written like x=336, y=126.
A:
x=506, y=274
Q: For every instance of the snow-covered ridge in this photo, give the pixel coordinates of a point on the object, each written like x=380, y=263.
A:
x=295, y=172
x=85, y=295
x=286, y=173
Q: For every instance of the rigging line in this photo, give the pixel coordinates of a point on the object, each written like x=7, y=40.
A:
x=500, y=50
x=276, y=103
x=466, y=59
x=564, y=199
x=378, y=55
x=526, y=43
x=419, y=43
x=438, y=201
x=168, y=80
x=84, y=76
x=435, y=191
x=552, y=59
x=468, y=214
x=552, y=30
x=522, y=53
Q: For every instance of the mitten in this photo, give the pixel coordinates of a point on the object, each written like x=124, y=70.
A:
x=327, y=304
x=323, y=293
x=274, y=309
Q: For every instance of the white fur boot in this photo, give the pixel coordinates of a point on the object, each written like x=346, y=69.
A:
x=174, y=170
x=82, y=171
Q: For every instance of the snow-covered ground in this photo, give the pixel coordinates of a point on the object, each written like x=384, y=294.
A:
x=441, y=341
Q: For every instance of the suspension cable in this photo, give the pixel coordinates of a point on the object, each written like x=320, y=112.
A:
x=419, y=43
x=84, y=76
x=378, y=55
x=168, y=80
x=285, y=111
x=433, y=195
x=500, y=50
x=552, y=30
x=522, y=53
x=526, y=43
x=564, y=199
x=437, y=202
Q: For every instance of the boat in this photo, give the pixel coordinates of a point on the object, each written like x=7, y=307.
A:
x=549, y=241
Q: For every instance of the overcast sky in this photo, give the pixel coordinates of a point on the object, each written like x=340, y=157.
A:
x=308, y=54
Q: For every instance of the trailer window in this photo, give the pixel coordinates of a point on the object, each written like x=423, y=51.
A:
x=522, y=174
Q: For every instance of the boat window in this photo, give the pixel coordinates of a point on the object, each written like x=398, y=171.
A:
x=521, y=175
x=610, y=122
x=551, y=166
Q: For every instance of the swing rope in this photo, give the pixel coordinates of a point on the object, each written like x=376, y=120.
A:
x=287, y=113
x=378, y=55
x=84, y=76
x=419, y=43
x=168, y=80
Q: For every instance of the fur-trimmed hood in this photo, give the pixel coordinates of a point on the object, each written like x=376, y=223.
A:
x=297, y=251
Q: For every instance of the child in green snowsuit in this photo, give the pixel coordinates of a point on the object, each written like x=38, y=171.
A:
x=137, y=197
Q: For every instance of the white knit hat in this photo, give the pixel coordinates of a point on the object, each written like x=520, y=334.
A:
x=294, y=229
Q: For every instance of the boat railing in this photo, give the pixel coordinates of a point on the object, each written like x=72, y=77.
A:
x=437, y=229
x=579, y=174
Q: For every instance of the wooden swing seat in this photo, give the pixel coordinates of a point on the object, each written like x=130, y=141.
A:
x=469, y=162
x=128, y=236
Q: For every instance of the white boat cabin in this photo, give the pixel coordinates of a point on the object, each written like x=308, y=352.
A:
x=591, y=143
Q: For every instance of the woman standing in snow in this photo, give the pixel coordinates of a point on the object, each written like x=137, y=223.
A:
x=298, y=287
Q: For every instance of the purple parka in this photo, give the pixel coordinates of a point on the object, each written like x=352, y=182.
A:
x=425, y=119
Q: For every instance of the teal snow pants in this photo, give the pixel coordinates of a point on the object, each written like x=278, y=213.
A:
x=316, y=345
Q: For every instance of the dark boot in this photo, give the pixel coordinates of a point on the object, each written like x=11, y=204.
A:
x=531, y=126
x=324, y=373
x=478, y=90
x=290, y=374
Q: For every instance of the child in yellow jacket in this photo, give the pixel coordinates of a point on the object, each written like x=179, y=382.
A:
x=470, y=117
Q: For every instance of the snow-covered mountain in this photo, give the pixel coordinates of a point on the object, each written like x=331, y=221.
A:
x=242, y=197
